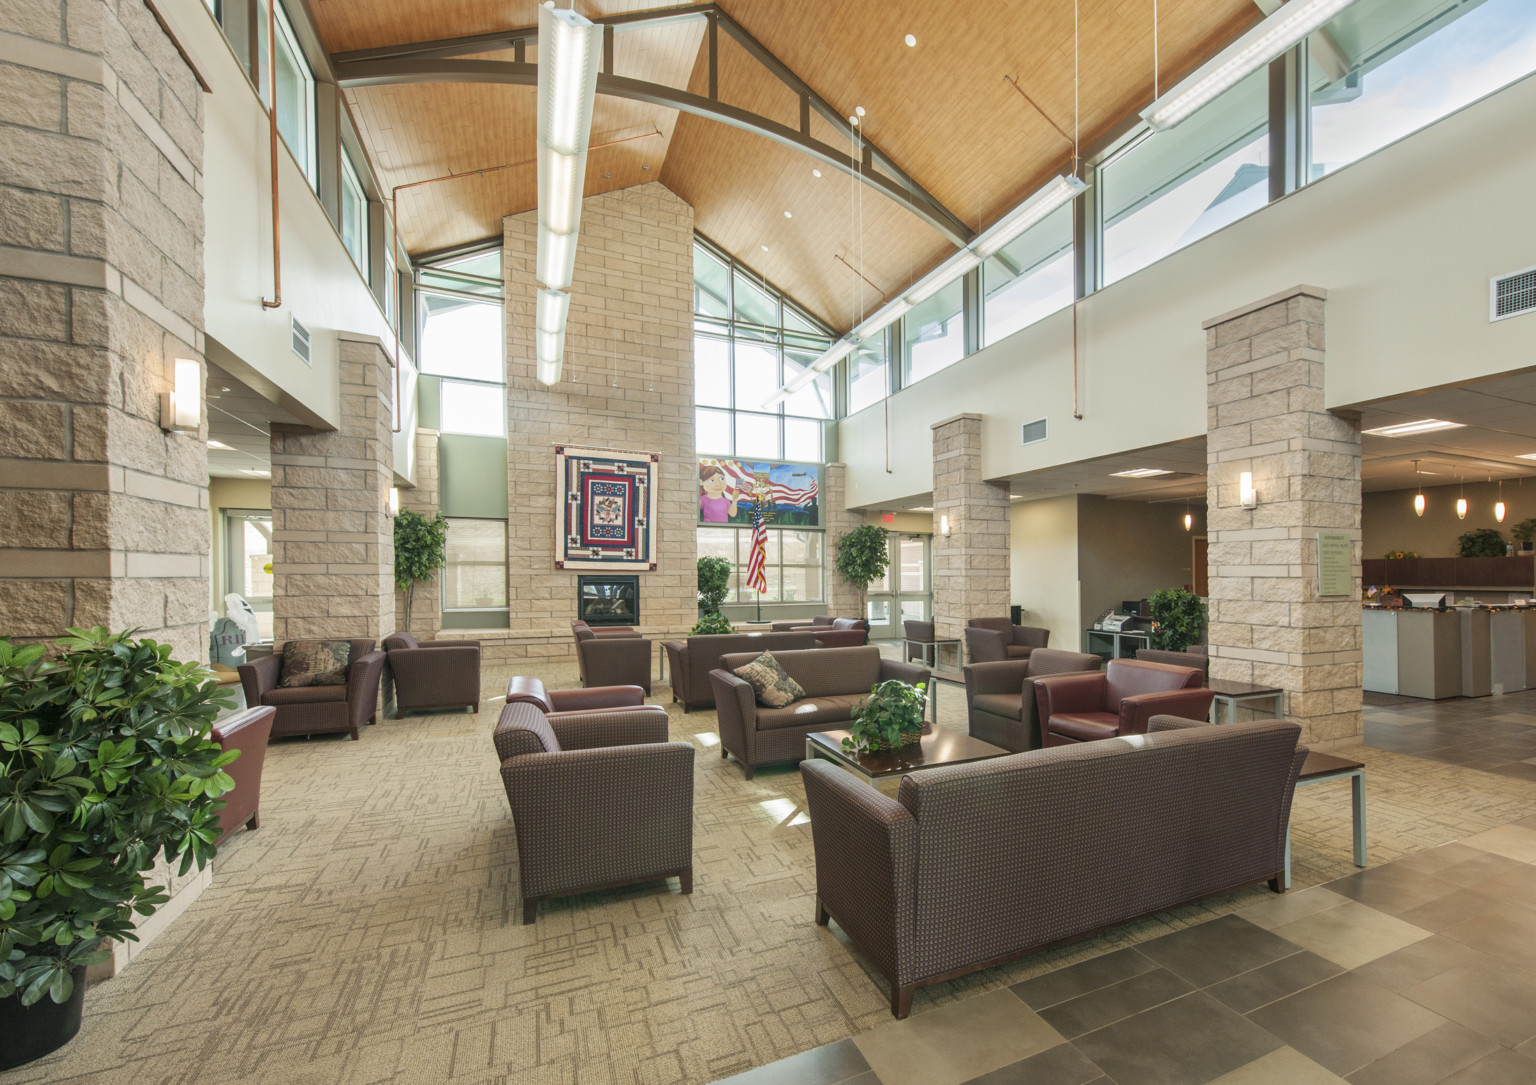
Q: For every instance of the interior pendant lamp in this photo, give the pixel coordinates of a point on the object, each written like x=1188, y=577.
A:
x=1189, y=519
x=569, y=46
x=1418, y=498
x=1498, y=506
x=1461, y=502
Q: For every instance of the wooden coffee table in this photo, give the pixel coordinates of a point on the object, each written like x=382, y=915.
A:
x=941, y=747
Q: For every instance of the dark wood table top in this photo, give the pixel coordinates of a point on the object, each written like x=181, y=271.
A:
x=1325, y=764
x=941, y=747
x=1238, y=689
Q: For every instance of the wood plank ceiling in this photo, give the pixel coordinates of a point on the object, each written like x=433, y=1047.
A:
x=941, y=109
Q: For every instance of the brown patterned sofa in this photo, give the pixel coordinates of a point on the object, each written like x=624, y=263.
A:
x=1000, y=696
x=835, y=681
x=317, y=710
x=599, y=800
x=615, y=656
x=691, y=661
x=246, y=731
x=433, y=674
x=1119, y=701
x=521, y=688
x=973, y=865
x=830, y=632
x=1196, y=656
x=990, y=639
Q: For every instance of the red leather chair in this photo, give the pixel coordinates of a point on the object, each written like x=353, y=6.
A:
x=246, y=731
x=1119, y=701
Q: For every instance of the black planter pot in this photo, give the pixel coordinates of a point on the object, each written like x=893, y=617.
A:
x=30, y=1032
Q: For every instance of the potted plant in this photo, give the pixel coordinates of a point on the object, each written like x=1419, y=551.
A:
x=714, y=583
x=710, y=623
x=105, y=766
x=421, y=549
x=1178, y=619
x=1524, y=532
x=862, y=557
x=889, y=718
x=1482, y=542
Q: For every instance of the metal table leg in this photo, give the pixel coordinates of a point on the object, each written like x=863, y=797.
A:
x=1357, y=795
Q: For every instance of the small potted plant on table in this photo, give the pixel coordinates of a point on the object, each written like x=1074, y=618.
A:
x=889, y=718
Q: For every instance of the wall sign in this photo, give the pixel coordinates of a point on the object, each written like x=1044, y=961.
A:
x=1335, y=564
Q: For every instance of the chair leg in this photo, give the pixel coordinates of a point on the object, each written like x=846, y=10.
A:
x=822, y=915
x=685, y=880
x=530, y=910
x=354, y=732
x=901, y=1000
x=255, y=820
x=747, y=769
x=725, y=755
x=1277, y=884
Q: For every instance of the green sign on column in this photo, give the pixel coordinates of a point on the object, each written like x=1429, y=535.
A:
x=1335, y=564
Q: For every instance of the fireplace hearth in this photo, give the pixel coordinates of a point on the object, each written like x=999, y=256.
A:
x=608, y=600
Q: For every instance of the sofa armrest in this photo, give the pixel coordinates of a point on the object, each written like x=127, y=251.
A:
x=1136, y=711
x=593, y=730
x=736, y=706
x=907, y=672
x=582, y=700
x=677, y=665
x=985, y=645
x=614, y=632
x=788, y=627
x=1065, y=693
x=428, y=664
x=1001, y=676
x=249, y=721
x=259, y=677
x=1173, y=723
x=838, y=638
x=1031, y=636
x=363, y=687
x=448, y=644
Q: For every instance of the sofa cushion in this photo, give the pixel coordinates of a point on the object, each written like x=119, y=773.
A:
x=303, y=695
x=1000, y=704
x=1018, y=651
x=772, y=684
x=827, y=672
x=810, y=711
x=1085, y=726
x=315, y=663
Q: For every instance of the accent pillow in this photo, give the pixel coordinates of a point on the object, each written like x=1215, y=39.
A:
x=315, y=663
x=772, y=683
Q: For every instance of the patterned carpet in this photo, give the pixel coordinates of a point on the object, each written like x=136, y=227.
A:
x=369, y=932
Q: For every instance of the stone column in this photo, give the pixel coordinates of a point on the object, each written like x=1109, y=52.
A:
x=424, y=497
x=970, y=564
x=1268, y=624
x=842, y=597
x=333, y=550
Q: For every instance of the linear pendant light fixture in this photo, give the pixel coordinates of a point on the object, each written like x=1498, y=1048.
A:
x=569, y=46
x=1283, y=28
x=1061, y=190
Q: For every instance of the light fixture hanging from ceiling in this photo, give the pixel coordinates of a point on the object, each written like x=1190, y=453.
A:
x=1498, y=506
x=1418, y=498
x=568, y=50
x=1189, y=519
x=1461, y=502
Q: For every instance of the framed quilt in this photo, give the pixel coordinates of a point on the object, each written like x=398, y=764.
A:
x=607, y=509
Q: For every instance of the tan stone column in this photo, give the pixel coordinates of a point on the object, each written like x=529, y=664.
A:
x=842, y=597
x=970, y=564
x=1268, y=623
x=425, y=498
x=333, y=551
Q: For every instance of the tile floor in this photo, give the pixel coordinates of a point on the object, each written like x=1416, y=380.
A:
x=1414, y=972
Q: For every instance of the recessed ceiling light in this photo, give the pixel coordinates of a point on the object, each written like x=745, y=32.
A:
x=1404, y=429
x=1140, y=472
x=815, y=173
x=765, y=248
x=219, y=445
x=911, y=40
x=789, y=214
x=921, y=508
x=859, y=110
x=853, y=120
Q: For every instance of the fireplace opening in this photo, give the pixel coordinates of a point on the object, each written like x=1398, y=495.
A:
x=608, y=600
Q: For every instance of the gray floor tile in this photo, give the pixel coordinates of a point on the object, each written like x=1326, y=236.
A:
x=1498, y=1002
x=1478, y=867
x=1427, y=1060
x=1079, y=979
x=1189, y=1041
x=1451, y=909
x=1392, y=889
x=1508, y=931
x=1518, y=885
x=830, y=1064
x=1217, y=950
x=1273, y=981
x=1109, y=1004
x=1061, y=1065
x=1501, y=1067
x=1421, y=961
x=1346, y=1022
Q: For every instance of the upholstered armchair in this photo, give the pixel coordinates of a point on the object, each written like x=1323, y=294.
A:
x=246, y=731
x=599, y=800
x=526, y=690
x=818, y=621
x=1000, y=696
x=1119, y=701
x=920, y=636
x=989, y=639
x=317, y=710
x=433, y=674
x=1195, y=656
x=610, y=659
x=603, y=631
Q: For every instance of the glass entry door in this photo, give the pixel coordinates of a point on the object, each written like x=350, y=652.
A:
x=905, y=592
x=248, y=562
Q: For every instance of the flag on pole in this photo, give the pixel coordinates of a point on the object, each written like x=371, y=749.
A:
x=757, y=563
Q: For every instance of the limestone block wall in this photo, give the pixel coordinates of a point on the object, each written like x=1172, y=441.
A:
x=103, y=516
x=333, y=551
x=628, y=384
x=1268, y=624
x=842, y=597
x=970, y=564
x=425, y=498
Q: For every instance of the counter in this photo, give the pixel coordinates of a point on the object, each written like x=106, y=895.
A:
x=1433, y=654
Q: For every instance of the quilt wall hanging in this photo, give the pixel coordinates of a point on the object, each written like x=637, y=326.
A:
x=607, y=503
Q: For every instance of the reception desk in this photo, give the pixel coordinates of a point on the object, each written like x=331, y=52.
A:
x=1433, y=654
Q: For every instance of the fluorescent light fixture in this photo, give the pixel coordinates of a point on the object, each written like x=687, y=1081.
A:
x=882, y=318
x=834, y=354
x=1059, y=191
x=560, y=204
x=549, y=356
x=1287, y=25
x=1405, y=429
x=181, y=409
x=1248, y=497
x=220, y=445
x=940, y=277
x=1141, y=472
x=556, y=259
x=568, y=48
x=553, y=307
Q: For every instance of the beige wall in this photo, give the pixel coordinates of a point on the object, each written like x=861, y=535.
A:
x=1128, y=550
x=902, y=523
x=230, y=493
x=1043, y=566
x=1405, y=241
x=1388, y=521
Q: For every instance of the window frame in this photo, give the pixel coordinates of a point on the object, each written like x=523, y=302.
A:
x=307, y=157
x=505, y=569
x=352, y=185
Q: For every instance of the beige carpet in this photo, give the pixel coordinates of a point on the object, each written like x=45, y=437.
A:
x=369, y=931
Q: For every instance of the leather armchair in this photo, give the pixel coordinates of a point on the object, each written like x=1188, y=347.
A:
x=317, y=710
x=1120, y=701
x=525, y=690
x=599, y=800
x=988, y=640
x=615, y=660
x=246, y=731
x=1000, y=696
x=434, y=673
x=922, y=633
x=1195, y=657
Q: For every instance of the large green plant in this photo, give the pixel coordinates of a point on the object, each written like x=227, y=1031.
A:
x=105, y=764
x=862, y=557
x=714, y=583
x=893, y=709
x=1524, y=531
x=712, y=622
x=421, y=549
x=1482, y=542
x=1178, y=618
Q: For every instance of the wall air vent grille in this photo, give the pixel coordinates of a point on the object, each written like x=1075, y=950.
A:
x=1034, y=431
x=300, y=340
x=1512, y=294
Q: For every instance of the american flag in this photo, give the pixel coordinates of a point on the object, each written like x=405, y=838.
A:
x=757, y=563
x=795, y=493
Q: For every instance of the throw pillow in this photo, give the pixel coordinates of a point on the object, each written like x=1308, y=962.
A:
x=315, y=663
x=772, y=683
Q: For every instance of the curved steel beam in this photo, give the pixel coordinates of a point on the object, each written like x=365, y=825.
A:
x=384, y=72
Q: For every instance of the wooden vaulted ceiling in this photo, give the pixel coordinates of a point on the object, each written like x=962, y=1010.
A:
x=942, y=110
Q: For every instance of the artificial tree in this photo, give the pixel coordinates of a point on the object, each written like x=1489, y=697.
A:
x=1524, y=532
x=421, y=549
x=714, y=583
x=863, y=555
x=1482, y=542
x=1178, y=617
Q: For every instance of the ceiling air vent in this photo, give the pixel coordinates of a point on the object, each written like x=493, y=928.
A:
x=1512, y=294
x=300, y=340
x=1031, y=432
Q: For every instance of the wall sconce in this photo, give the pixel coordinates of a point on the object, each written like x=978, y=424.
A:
x=1247, y=495
x=393, y=508
x=181, y=409
x=944, y=524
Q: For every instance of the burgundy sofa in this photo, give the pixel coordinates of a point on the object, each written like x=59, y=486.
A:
x=246, y=731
